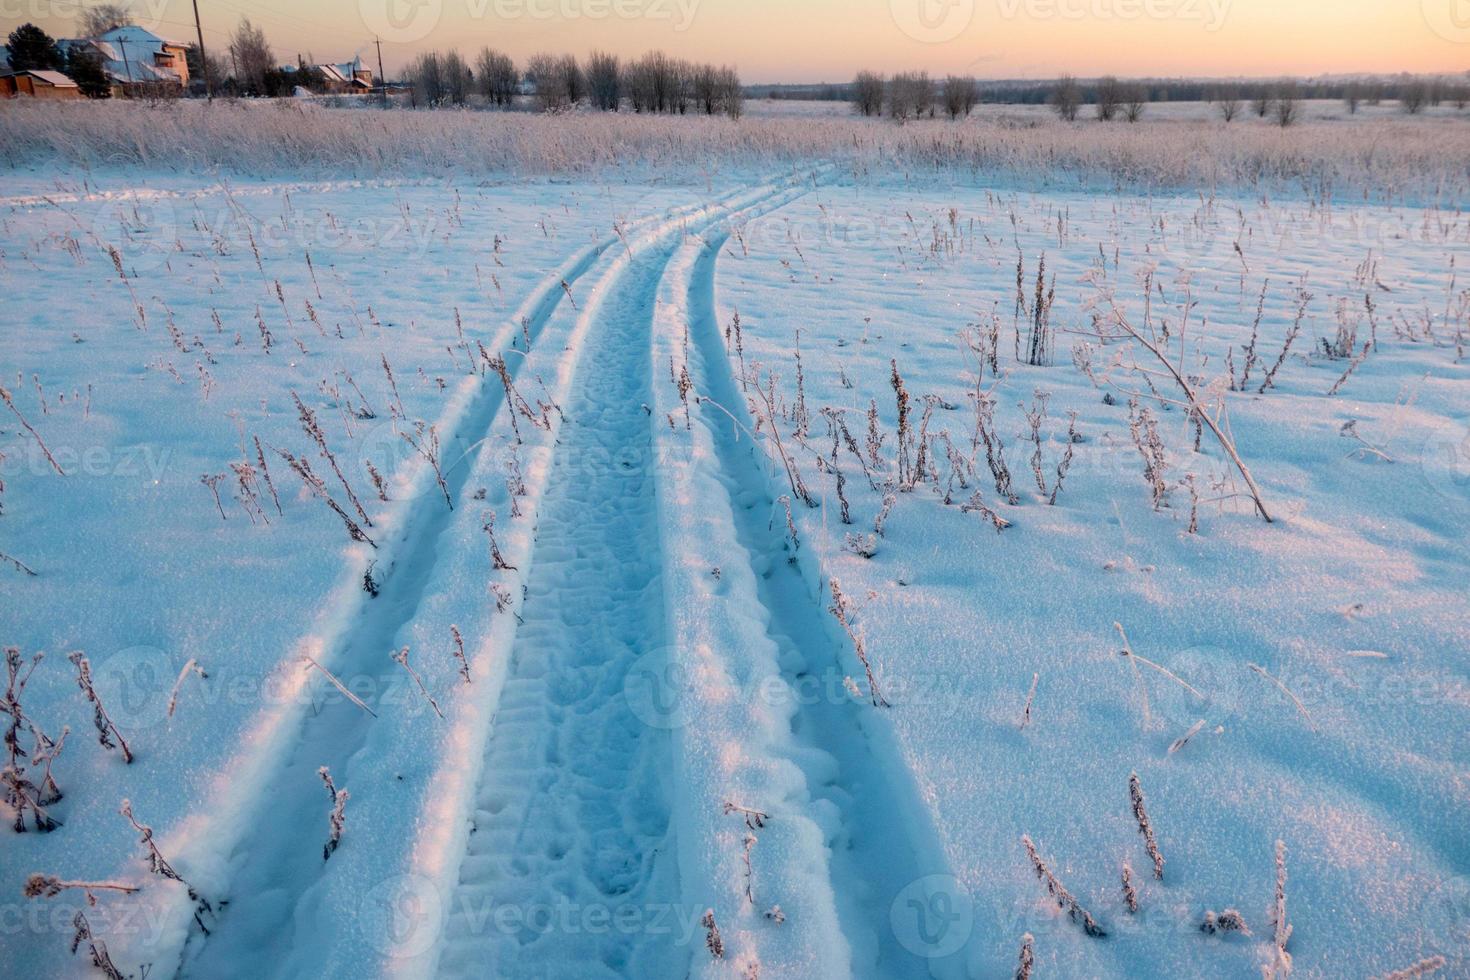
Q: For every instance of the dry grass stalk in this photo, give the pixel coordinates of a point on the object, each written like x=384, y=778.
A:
x=158, y=865
x=1145, y=826
x=1030, y=697
x=464, y=664
x=841, y=609
x=337, y=819
x=1227, y=921
x=49, y=886
x=712, y=940
x=1423, y=968
x=192, y=667
x=20, y=790
x=1280, y=966
x=10, y=404
x=1284, y=690
x=400, y=657
x=1028, y=957
x=1194, y=404
x=302, y=468
x=1130, y=893
x=106, y=731
x=312, y=663
x=1064, y=899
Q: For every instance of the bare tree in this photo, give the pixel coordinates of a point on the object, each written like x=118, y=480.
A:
x=732, y=93
x=426, y=77
x=604, y=81
x=457, y=78
x=1066, y=98
x=1109, y=98
x=1287, y=103
x=867, y=92
x=706, y=83
x=1227, y=103
x=1352, y=97
x=1413, y=94
x=252, y=56
x=1262, y=104
x=651, y=82
x=92, y=21
x=497, y=77
x=572, y=79
x=544, y=72
x=960, y=96
x=1135, y=98
x=910, y=95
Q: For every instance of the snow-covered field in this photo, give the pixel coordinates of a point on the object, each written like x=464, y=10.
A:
x=776, y=551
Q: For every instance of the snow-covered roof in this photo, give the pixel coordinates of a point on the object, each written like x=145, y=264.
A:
x=131, y=34
x=55, y=78
x=126, y=55
x=334, y=73
x=4, y=57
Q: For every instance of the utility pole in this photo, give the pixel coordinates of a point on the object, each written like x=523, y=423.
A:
x=203, y=58
x=381, y=80
x=127, y=66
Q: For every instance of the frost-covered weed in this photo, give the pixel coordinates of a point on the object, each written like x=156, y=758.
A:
x=1064, y=899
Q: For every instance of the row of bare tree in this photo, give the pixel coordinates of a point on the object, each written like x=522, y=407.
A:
x=1113, y=98
x=653, y=83
x=912, y=95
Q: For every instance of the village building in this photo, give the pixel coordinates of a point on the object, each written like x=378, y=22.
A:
x=137, y=61
x=38, y=84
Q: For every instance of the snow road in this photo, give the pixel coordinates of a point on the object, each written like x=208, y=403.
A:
x=658, y=722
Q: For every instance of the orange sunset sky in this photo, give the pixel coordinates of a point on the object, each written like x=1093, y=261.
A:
x=816, y=40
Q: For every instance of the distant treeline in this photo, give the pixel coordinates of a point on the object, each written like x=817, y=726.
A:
x=1366, y=90
x=654, y=83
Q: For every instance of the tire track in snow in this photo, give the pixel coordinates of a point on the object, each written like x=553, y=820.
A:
x=267, y=823
x=763, y=625
x=571, y=867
